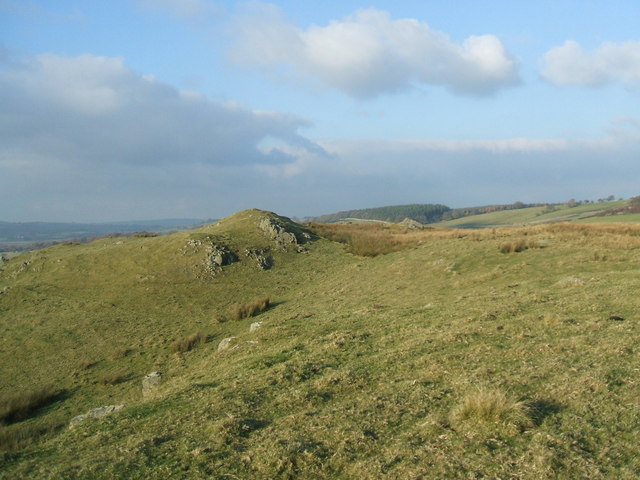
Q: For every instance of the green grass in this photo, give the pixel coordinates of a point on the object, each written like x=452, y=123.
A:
x=534, y=215
x=443, y=359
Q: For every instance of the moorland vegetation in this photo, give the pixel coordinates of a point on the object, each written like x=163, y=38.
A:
x=383, y=351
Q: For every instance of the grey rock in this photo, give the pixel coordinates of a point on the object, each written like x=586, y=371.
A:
x=264, y=262
x=277, y=231
x=571, y=281
x=411, y=224
x=255, y=326
x=226, y=343
x=151, y=382
x=95, y=413
x=221, y=256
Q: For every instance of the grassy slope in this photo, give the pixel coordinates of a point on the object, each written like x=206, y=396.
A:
x=358, y=366
x=522, y=216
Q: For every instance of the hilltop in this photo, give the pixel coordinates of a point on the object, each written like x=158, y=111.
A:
x=444, y=353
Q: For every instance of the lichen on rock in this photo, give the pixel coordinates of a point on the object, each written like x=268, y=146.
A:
x=282, y=234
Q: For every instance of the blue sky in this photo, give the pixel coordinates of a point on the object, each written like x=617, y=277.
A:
x=136, y=109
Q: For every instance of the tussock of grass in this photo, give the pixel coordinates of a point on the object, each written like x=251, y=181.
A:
x=491, y=407
x=518, y=246
x=238, y=311
x=114, y=378
x=18, y=406
x=20, y=436
x=189, y=343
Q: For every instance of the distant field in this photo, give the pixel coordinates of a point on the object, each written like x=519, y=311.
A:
x=534, y=215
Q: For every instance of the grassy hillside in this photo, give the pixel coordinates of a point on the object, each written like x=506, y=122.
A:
x=500, y=353
x=556, y=213
x=423, y=213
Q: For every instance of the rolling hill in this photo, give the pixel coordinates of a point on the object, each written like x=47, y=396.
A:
x=446, y=353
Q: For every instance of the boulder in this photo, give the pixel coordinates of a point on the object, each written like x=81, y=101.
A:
x=264, y=262
x=226, y=343
x=277, y=231
x=255, y=326
x=221, y=256
x=151, y=382
x=95, y=413
x=411, y=224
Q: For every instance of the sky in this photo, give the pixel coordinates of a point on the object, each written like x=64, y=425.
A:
x=150, y=109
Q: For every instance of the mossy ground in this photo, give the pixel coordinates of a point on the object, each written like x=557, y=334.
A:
x=360, y=366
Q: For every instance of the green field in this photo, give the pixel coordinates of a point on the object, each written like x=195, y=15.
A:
x=533, y=215
x=446, y=358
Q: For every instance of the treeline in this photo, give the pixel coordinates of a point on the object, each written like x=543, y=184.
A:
x=469, y=211
x=423, y=213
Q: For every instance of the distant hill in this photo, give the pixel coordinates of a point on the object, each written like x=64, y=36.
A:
x=423, y=213
x=27, y=235
x=517, y=213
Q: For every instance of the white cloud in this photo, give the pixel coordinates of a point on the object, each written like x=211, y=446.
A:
x=570, y=64
x=369, y=53
x=90, y=109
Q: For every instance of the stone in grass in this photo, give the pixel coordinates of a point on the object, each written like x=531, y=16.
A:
x=95, y=413
x=151, y=382
x=227, y=343
x=571, y=281
x=255, y=326
x=616, y=318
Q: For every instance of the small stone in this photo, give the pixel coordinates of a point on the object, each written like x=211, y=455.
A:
x=95, y=413
x=616, y=318
x=151, y=382
x=571, y=281
x=255, y=326
x=226, y=343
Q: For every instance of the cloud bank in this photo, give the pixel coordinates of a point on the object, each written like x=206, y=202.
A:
x=570, y=64
x=91, y=109
x=369, y=53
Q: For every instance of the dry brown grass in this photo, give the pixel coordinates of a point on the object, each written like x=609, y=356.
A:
x=21, y=435
x=491, y=407
x=238, y=311
x=114, y=378
x=19, y=406
x=189, y=343
x=370, y=240
x=518, y=246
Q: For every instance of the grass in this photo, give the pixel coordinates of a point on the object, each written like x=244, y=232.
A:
x=18, y=406
x=491, y=408
x=239, y=311
x=189, y=343
x=113, y=378
x=534, y=215
x=443, y=358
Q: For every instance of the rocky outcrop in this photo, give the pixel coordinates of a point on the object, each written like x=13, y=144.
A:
x=95, y=413
x=283, y=235
x=411, y=224
x=221, y=256
x=263, y=261
x=150, y=383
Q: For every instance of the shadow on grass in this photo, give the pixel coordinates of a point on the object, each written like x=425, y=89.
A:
x=543, y=408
